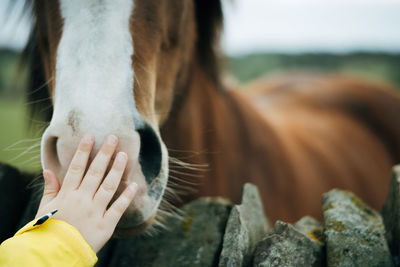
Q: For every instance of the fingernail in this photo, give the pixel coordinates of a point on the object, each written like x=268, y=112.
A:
x=112, y=139
x=87, y=138
x=121, y=157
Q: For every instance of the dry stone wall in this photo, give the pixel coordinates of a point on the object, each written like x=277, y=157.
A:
x=214, y=232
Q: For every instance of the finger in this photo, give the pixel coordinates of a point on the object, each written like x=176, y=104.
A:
x=51, y=187
x=99, y=165
x=114, y=213
x=78, y=164
x=110, y=184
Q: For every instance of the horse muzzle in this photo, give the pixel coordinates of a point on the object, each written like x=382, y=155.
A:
x=147, y=166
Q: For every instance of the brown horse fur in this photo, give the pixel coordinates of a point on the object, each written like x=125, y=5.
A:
x=295, y=137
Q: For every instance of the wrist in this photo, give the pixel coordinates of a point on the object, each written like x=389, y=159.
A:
x=56, y=234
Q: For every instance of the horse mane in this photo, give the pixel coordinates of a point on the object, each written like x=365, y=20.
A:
x=37, y=92
x=37, y=95
x=209, y=18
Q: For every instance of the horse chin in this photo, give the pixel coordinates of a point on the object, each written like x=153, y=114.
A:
x=139, y=216
x=127, y=231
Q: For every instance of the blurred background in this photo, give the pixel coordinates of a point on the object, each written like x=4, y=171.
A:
x=260, y=38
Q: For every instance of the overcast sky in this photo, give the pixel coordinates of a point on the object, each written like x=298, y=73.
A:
x=312, y=25
x=282, y=26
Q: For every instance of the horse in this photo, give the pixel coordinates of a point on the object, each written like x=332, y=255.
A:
x=149, y=72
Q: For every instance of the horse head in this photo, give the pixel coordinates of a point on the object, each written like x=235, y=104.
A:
x=118, y=67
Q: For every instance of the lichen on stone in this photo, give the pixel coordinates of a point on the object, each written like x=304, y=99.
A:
x=336, y=226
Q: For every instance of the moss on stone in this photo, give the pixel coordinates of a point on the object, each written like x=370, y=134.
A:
x=336, y=226
x=187, y=222
x=365, y=242
x=327, y=207
x=361, y=205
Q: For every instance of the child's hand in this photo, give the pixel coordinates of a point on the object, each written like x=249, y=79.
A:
x=82, y=202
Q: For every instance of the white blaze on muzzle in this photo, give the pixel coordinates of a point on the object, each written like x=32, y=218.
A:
x=93, y=65
x=94, y=93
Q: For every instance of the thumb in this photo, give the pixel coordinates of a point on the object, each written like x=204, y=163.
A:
x=51, y=187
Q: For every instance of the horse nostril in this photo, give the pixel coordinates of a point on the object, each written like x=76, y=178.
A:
x=150, y=153
x=51, y=158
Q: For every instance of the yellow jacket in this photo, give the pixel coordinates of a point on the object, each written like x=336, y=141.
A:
x=52, y=243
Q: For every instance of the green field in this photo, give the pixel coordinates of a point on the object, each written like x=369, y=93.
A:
x=16, y=137
x=17, y=144
x=377, y=67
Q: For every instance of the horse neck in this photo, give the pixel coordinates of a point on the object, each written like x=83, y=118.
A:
x=220, y=128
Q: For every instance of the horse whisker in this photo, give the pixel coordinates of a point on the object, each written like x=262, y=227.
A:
x=46, y=108
x=37, y=101
x=41, y=87
x=186, y=174
x=31, y=160
x=23, y=141
x=187, y=164
x=176, y=182
x=24, y=152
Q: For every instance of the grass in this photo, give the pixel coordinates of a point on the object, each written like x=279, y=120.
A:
x=16, y=137
x=376, y=67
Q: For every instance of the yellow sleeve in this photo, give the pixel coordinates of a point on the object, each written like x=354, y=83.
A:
x=53, y=243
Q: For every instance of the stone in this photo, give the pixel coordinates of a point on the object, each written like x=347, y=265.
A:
x=246, y=226
x=391, y=215
x=310, y=227
x=354, y=233
x=14, y=196
x=194, y=240
x=286, y=246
